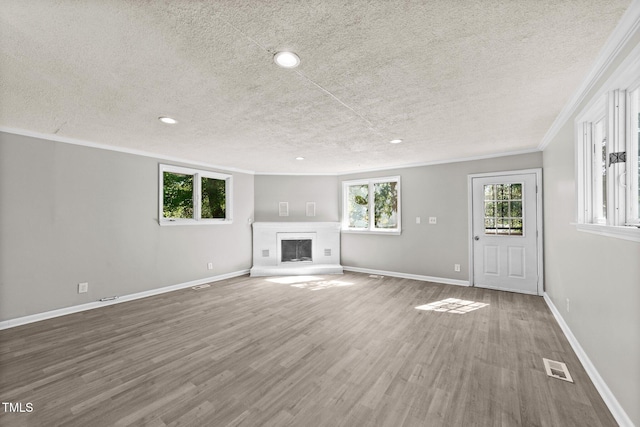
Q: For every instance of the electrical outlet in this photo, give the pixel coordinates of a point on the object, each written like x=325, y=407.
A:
x=568, y=305
x=456, y=267
x=83, y=287
x=417, y=220
x=210, y=266
x=433, y=220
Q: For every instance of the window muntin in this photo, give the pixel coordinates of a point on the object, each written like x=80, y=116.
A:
x=372, y=205
x=192, y=196
x=503, y=209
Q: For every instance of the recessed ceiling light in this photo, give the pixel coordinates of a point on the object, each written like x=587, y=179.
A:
x=395, y=141
x=299, y=158
x=286, y=59
x=168, y=120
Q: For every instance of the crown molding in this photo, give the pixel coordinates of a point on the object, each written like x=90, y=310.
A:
x=442, y=162
x=407, y=166
x=626, y=28
x=73, y=141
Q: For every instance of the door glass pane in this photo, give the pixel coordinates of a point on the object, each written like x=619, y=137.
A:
x=503, y=209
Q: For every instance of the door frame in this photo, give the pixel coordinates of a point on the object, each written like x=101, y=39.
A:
x=539, y=222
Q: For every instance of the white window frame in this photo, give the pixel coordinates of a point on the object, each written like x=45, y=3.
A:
x=372, y=228
x=613, y=103
x=197, y=192
x=633, y=166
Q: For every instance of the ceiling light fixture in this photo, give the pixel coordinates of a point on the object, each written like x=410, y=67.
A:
x=286, y=59
x=167, y=120
x=299, y=158
x=395, y=141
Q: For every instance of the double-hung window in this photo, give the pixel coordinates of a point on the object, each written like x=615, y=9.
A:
x=192, y=196
x=608, y=158
x=371, y=205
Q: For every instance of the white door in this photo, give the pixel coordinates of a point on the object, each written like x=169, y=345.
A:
x=504, y=229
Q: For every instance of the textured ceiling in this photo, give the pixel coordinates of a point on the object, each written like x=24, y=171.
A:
x=453, y=79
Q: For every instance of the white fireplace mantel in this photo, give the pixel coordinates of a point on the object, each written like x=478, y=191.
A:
x=267, y=238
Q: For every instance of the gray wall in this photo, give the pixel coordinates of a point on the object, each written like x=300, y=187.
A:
x=297, y=190
x=71, y=214
x=600, y=275
x=424, y=249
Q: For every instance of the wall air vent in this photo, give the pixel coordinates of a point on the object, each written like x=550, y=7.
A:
x=557, y=370
x=327, y=252
x=265, y=253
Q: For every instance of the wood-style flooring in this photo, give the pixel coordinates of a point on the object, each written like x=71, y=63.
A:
x=344, y=350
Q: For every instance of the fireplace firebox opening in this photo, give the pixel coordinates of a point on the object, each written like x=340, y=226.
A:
x=298, y=250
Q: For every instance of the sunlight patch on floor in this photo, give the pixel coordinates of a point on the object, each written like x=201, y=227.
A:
x=288, y=280
x=452, y=305
x=323, y=284
x=313, y=283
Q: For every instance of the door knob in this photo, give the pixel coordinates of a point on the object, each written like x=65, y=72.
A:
x=476, y=238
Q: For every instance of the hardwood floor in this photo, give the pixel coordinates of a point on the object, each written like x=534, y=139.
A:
x=346, y=350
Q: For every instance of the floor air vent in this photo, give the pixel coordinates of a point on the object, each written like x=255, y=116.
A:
x=557, y=370
x=376, y=276
x=195, y=288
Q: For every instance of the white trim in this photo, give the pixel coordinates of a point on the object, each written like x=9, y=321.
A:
x=73, y=141
x=376, y=231
x=11, y=323
x=628, y=25
x=626, y=233
x=408, y=165
x=420, y=277
x=609, y=399
x=539, y=218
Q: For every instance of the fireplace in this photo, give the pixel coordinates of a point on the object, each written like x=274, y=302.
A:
x=295, y=248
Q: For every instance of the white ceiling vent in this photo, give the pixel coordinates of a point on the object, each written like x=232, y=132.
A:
x=557, y=370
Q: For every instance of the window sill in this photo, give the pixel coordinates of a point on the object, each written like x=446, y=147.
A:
x=193, y=222
x=626, y=233
x=352, y=231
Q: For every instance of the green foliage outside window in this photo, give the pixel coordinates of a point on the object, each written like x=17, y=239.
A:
x=386, y=204
x=213, y=198
x=358, y=200
x=178, y=195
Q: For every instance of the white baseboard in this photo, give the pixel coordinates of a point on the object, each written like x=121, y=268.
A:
x=408, y=276
x=609, y=399
x=11, y=323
